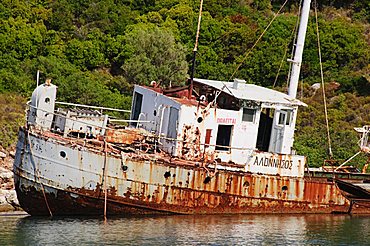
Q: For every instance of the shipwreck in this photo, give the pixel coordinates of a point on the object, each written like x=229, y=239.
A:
x=209, y=147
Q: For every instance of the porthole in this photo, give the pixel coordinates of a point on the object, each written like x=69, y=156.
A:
x=207, y=180
x=246, y=184
x=47, y=100
x=63, y=154
x=155, y=112
x=284, y=188
x=167, y=174
x=124, y=168
x=200, y=119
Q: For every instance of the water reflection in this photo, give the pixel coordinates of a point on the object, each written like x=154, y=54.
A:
x=185, y=230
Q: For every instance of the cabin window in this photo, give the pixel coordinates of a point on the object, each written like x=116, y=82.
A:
x=285, y=117
x=223, y=137
x=282, y=116
x=136, y=108
x=172, y=123
x=248, y=114
x=289, y=114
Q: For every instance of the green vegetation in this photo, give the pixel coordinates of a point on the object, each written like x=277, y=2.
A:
x=94, y=51
x=11, y=117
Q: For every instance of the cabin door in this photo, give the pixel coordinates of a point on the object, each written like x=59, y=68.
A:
x=172, y=123
x=136, y=108
x=264, y=129
x=277, y=132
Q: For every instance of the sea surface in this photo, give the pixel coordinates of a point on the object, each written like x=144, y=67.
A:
x=187, y=230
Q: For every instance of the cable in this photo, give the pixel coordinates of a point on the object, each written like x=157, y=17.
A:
x=323, y=86
x=285, y=52
x=259, y=38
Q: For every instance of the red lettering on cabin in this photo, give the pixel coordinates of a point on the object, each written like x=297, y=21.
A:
x=230, y=121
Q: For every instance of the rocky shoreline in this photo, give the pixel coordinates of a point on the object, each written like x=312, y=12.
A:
x=8, y=196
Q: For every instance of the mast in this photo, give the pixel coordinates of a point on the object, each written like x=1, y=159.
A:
x=195, y=50
x=294, y=76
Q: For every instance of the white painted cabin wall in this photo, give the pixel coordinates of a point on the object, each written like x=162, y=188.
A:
x=42, y=106
x=244, y=134
x=156, y=101
x=289, y=134
x=187, y=116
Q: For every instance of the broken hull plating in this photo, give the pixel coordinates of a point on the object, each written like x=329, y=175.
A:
x=69, y=178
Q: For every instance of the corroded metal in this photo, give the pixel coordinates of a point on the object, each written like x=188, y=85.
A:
x=123, y=136
x=154, y=184
x=178, y=156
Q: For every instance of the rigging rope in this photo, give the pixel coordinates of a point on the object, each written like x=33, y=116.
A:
x=259, y=38
x=37, y=173
x=281, y=65
x=285, y=52
x=322, y=83
x=105, y=180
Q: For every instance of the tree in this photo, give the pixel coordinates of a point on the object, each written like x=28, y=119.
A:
x=154, y=56
x=20, y=38
x=87, y=54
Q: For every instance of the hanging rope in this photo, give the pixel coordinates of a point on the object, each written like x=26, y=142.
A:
x=37, y=174
x=322, y=84
x=281, y=65
x=105, y=180
x=285, y=52
x=259, y=38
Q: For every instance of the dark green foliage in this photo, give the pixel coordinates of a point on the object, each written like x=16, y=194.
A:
x=344, y=52
x=154, y=55
x=11, y=117
x=95, y=50
x=345, y=111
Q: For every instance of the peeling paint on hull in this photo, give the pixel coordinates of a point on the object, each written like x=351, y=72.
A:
x=72, y=183
x=62, y=202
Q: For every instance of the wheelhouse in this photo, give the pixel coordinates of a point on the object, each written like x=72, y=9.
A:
x=223, y=121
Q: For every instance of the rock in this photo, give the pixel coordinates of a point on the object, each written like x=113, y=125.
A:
x=333, y=86
x=8, y=201
x=5, y=174
x=11, y=197
x=316, y=86
x=2, y=197
x=2, y=155
x=7, y=163
x=12, y=153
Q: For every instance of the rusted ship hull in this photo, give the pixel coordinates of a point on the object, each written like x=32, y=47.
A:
x=357, y=193
x=63, y=202
x=353, y=191
x=61, y=177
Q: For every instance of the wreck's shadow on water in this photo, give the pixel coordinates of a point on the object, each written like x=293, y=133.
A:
x=188, y=230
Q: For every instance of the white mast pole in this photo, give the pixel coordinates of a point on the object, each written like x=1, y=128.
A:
x=294, y=77
x=37, y=92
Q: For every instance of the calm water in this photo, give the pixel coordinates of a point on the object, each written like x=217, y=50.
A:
x=188, y=230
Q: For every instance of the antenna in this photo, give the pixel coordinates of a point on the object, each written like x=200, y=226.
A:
x=195, y=50
x=37, y=91
x=38, y=77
